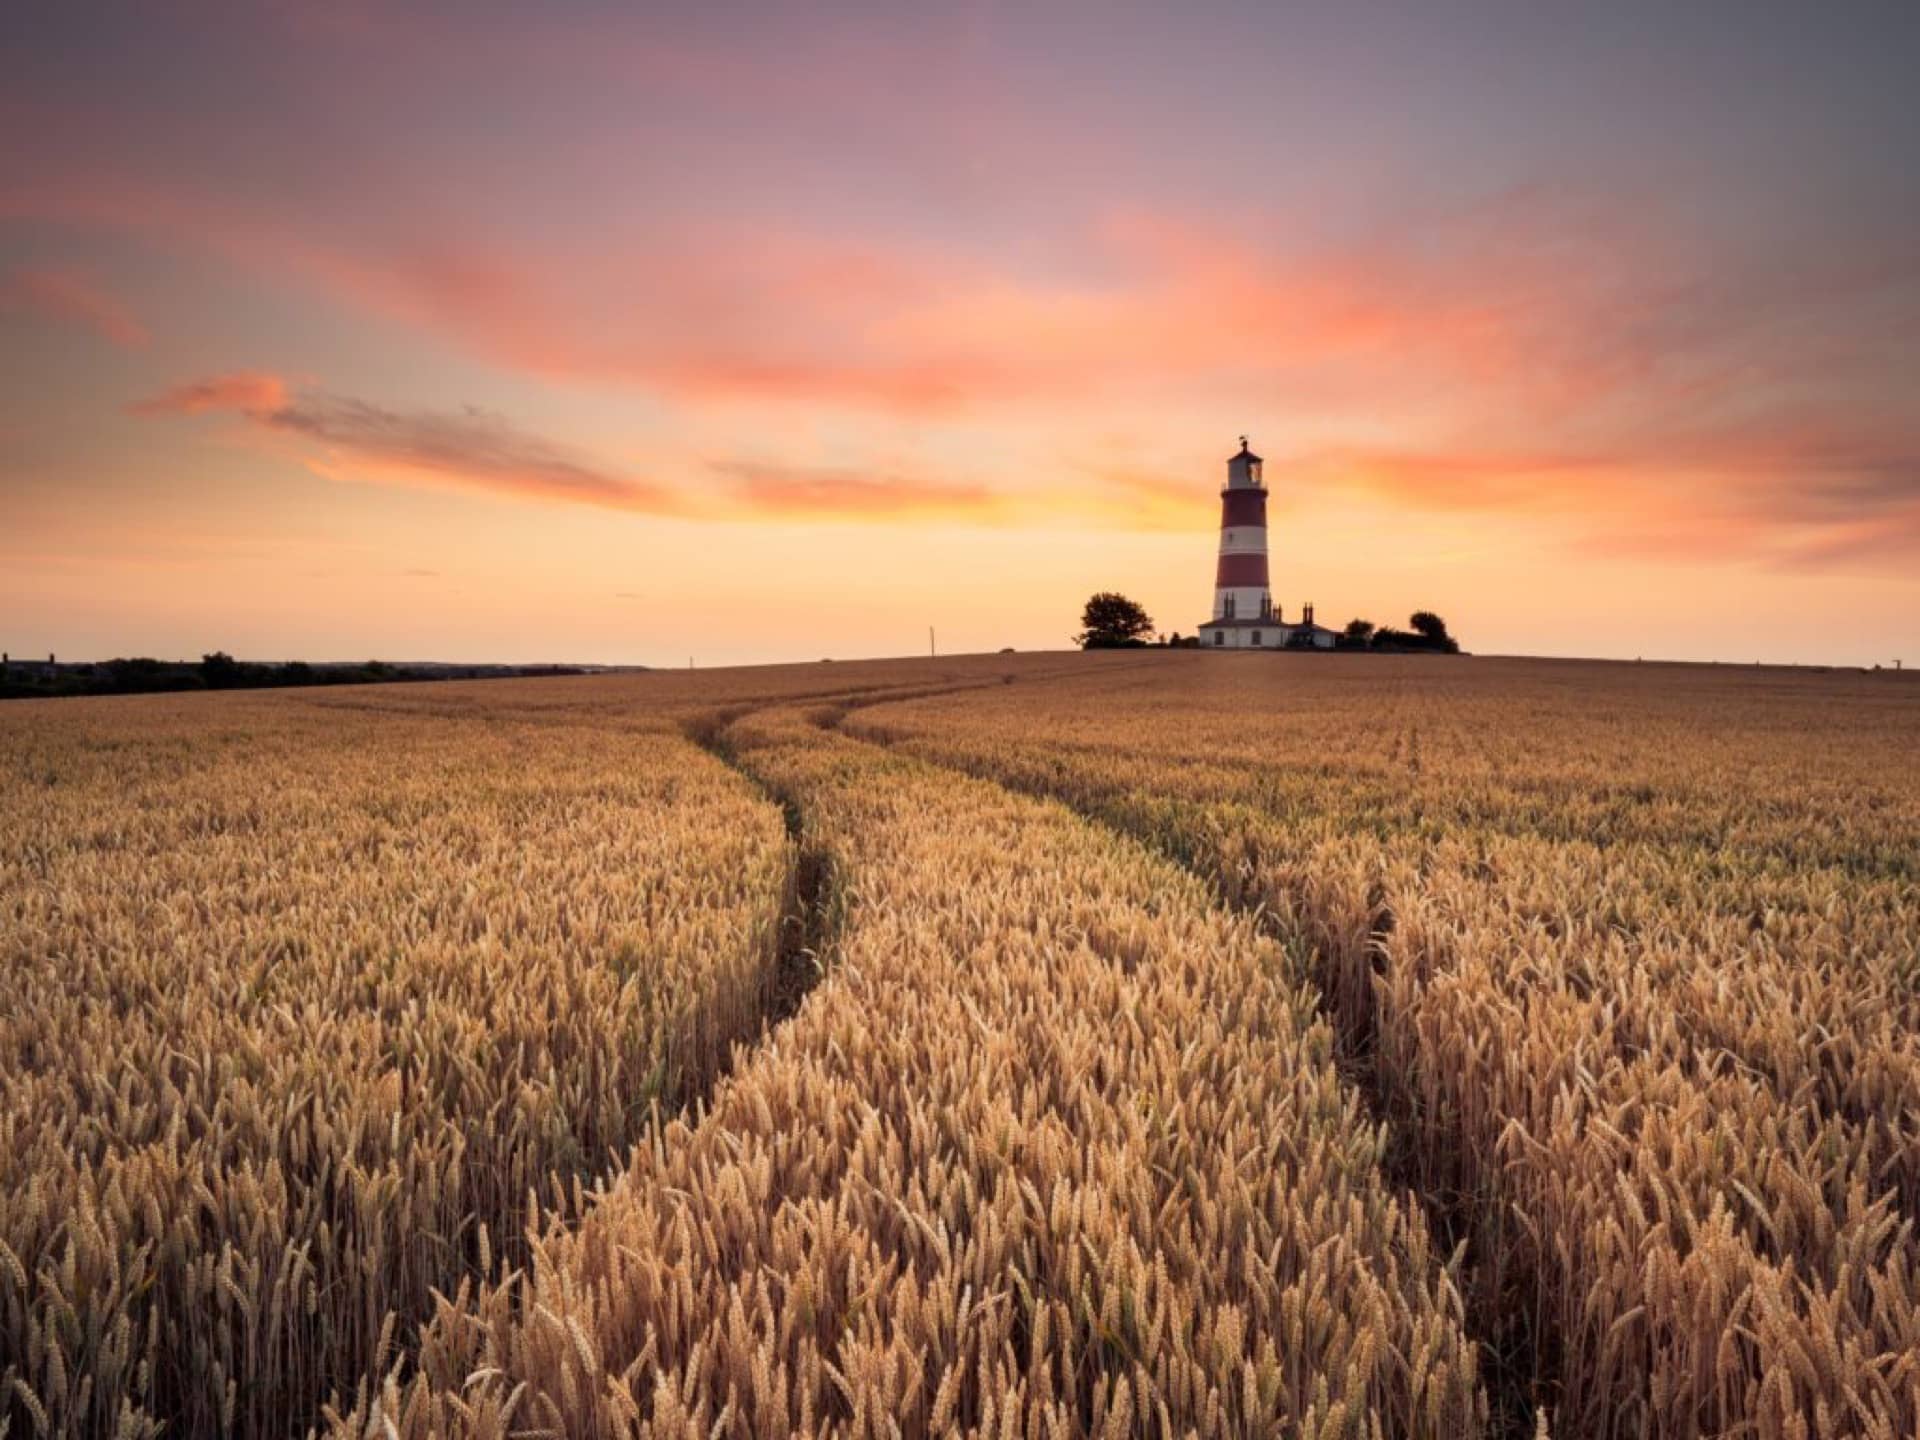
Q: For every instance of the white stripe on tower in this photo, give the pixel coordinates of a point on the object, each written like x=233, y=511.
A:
x=1243, y=540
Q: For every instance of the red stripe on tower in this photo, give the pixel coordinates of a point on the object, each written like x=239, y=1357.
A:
x=1241, y=570
x=1243, y=507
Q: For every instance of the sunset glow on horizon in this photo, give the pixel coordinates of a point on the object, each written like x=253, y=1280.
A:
x=483, y=332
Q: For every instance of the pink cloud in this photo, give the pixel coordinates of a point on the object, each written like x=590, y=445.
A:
x=70, y=297
x=1523, y=355
x=756, y=313
x=1525, y=299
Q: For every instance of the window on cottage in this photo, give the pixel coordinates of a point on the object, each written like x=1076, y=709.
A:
x=1219, y=637
x=1255, y=639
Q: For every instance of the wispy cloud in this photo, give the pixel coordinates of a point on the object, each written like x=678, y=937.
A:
x=471, y=448
x=70, y=296
x=347, y=438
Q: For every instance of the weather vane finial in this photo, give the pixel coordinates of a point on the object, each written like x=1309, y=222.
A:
x=1243, y=442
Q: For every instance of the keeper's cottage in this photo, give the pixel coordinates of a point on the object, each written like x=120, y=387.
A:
x=1244, y=614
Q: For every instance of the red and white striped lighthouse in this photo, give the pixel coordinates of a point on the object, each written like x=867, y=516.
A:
x=1240, y=590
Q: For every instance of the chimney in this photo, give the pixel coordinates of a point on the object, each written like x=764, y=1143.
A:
x=1306, y=614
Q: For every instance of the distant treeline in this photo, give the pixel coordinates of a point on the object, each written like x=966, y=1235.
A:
x=1426, y=631
x=28, y=679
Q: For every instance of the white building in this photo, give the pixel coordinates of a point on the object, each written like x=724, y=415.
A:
x=1244, y=614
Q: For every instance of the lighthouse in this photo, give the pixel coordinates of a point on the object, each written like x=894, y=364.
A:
x=1240, y=579
x=1244, y=614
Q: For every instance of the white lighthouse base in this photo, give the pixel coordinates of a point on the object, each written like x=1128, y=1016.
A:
x=1263, y=635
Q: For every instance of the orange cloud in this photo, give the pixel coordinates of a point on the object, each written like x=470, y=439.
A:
x=1774, y=494
x=1461, y=478
x=69, y=296
x=1126, y=497
x=790, y=490
x=246, y=392
x=788, y=317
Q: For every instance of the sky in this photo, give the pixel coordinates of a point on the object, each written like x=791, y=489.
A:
x=733, y=333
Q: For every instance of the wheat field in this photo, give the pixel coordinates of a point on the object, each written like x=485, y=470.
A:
x=1142, y=1044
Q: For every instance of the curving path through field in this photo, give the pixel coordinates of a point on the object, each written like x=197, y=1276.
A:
x=1057, y=1146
